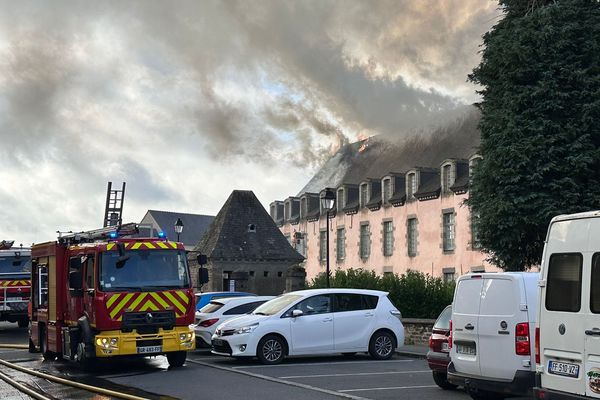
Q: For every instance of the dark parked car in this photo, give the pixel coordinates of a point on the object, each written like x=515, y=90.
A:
x=438, y=355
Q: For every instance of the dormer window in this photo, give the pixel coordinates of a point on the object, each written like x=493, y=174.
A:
x=386, y=190
x=411, y=185
x=364, y=194
x=287, y=211
x=303, y=207
x=341, y=200
x=473, y=163
x=273, y=211
x=448, y=177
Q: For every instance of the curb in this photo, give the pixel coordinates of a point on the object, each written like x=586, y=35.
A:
x=412, y=354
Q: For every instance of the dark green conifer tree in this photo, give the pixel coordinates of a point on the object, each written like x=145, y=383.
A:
x=540, y=126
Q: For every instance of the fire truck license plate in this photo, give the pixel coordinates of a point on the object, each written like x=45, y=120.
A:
x=149, y=349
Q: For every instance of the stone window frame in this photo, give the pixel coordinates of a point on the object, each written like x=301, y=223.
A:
x=361, y=256
x=383, y=237
x=391, y=189
x=340, y=200
x=446, y=272
x=478, y=269
x=303, y=206
x=448, y=250
x=446, y=182
x=287, y=210
x=322, y=249
x=338, y=258
x=362, y=202
x=414, y=253
x=473, y=160
x=474, y=244
x=410, y=193
x=387, y=270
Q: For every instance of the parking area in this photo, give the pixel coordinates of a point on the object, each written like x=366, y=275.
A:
x=358, y=376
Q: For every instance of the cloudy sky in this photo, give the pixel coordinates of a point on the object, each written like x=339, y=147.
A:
x=188, y=100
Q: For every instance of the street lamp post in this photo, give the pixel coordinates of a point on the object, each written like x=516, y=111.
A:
x=178, y=227
x=327, y=202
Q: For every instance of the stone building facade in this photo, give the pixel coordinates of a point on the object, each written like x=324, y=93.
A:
x=246, y=251
x=398, y=207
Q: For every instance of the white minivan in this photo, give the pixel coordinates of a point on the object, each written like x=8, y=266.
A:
x=492, y=331
x=568, y=357
x=316, y=321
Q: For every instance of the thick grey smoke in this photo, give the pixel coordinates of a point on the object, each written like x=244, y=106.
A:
x=159, y=91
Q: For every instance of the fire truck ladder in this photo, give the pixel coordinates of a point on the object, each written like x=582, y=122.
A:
x=113, y=212
x=106, y=233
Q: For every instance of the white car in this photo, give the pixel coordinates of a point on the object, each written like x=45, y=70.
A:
x=317, y=321
x=218, y=311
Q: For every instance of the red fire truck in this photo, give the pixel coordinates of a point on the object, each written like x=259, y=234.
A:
x=104, y=293
x=15, y=284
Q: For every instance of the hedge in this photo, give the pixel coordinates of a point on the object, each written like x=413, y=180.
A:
x=415, y=294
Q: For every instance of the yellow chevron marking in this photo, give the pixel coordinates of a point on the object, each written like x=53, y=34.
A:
x=121, y=304
x=173, y=245
x=149, y=306
x=110, y=246
x=159, y=299
x=162, y=245
x=136, y=246
x=175, y=302
x=137, y=301
x=183, y=296
x=112, y=299
x=150, y=245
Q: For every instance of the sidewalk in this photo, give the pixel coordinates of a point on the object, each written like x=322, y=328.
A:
x=411, y=350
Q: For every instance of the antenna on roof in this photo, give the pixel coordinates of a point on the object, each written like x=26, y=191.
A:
x=113, y=212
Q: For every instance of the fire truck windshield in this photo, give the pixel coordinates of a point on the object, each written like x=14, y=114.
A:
x=144, y=270
x=14, y=264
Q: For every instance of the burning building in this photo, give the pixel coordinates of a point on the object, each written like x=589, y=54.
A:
x=399, y=206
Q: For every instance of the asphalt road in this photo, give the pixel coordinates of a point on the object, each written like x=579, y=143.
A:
x=209, y=376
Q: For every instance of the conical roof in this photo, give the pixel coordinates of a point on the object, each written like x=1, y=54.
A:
x=243, y=230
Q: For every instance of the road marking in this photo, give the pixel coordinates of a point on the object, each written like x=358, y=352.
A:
x=323, y=363
x=356, y=374
x=388, y=388
x=282, y=381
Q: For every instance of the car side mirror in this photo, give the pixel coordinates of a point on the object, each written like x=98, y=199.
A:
x=297, y=313
x=202, y=259
x=202, y=276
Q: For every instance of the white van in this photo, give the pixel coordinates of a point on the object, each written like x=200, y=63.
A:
x=568, y=357
x=493, y=322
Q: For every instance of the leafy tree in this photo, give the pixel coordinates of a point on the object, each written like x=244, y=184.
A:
x=540, y=126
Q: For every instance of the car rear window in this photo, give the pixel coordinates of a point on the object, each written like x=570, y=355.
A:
x=563, y=287
x=244, y=308
x=211, y=307
x=354, y=302
x=499, y=297
x=443, y=321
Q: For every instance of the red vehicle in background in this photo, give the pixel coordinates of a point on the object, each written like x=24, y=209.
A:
x=438, y=356
x=15, y=283
x=105, y=294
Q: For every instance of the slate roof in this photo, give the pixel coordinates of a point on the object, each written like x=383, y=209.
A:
x=229, y=237
x=430, y=185
x=194, y=225
x=461, y=183
x=377, y=156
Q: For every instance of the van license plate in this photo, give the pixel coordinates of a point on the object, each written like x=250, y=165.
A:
x=563, y=369
x=149, y=349
x=468, y=350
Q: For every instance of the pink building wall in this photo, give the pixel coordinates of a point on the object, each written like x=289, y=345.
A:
x=430, y=257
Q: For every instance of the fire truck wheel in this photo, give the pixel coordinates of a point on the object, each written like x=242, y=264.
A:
x=176, y=359
x=23, y=322
x=83, y=360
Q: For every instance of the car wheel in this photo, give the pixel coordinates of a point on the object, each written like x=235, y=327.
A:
x=381, y=346
x=271, y=350
x=441, y=379
x=485, y=395
x=176, y=359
